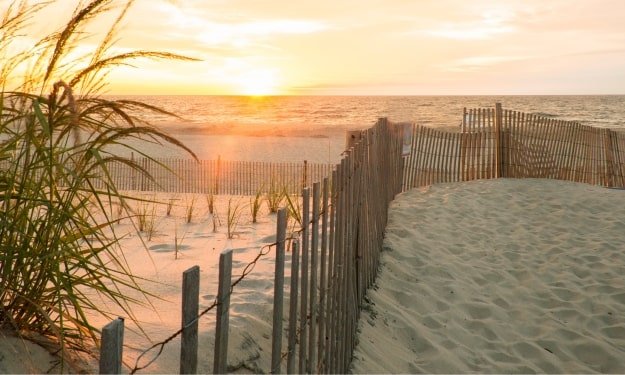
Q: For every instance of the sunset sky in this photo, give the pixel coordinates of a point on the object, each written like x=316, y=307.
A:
x=374, y=47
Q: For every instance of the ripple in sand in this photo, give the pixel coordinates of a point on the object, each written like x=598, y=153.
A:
x=614, y=332
x=619, y=298
x=595, y=356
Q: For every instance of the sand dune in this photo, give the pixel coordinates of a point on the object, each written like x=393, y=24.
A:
x=499, y=276
x=160, y=268
x=485, y=276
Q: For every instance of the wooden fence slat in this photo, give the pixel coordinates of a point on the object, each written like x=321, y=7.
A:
x=190, y=306
x=332, y=279
x=566, y=161
x=111, y=347
x=220, y=361
x=340, y=249
x=278, y=293
x=314, y=260
x=303, y=360
x=323, y=284
x=440, y=157
x=293, y=298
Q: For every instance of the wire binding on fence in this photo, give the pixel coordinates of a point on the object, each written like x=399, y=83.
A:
x=249, y=267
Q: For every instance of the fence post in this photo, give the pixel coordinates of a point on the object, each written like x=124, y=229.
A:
x=609, y=157
x=190, y=305
x=133, y=172
x=220, y=363
x=303, y=361
x=305, y=175
x=499, y=140
x=278, y=294
x=144, y=165
x=217, y=173
x=111, y=347
x=290, y=364
x=322, y=340
x=314, y=252
x=352, y=137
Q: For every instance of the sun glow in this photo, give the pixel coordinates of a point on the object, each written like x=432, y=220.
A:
x=257, y=83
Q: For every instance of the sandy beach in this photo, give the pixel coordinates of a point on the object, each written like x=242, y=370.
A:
x=122, y=122
x=499, y=276
x=484, y=276
x=158, y=258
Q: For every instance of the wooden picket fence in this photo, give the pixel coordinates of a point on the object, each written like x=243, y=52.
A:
x=494, y=143
x=334, y=260
x=335, y=254
x=215, y=176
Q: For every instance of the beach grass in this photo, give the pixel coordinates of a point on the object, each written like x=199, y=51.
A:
x=274, y=195
x=57, y=233
x=256, y=204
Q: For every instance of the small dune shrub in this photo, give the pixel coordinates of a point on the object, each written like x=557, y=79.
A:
x=233, y=215
x=59, y=252
x=255, y=205
x=274, y=196
x=190, y=208
x=210, y=202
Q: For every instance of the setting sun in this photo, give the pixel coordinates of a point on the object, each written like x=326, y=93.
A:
x=256, y=83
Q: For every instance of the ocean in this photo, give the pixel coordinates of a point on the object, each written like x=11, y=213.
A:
x=213, y=125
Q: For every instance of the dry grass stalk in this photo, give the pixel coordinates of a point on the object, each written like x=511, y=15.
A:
x=233, y=216
x=58, y=245
x=256, y=204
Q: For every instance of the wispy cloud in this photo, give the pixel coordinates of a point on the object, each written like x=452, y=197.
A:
x=236, y=33
x=476, y=63
x=363, y=45
x=468, y=32
x=488, y=25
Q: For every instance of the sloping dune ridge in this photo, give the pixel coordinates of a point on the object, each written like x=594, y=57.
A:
x=499, y=276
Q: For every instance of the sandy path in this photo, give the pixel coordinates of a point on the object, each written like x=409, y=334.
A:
x=499, y=276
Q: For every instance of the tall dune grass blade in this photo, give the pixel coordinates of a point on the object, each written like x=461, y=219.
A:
x=234, y=215
x=58, y=246
x=256, y=204
x=274, y=196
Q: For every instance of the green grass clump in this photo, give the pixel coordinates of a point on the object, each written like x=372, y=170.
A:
x=255, y=204
x=190, y=208
x=233, y=216
x=274, y=196
x=294, y=207
x=58, y=246
x=145, y=214
x=210, y=202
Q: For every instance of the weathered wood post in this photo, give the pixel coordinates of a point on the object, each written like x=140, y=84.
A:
x=111, y=347
x=463, y=125
x=133, y=172
x=303, y=352
x=305, y=175
x=220, y=363
x=278, y=293
x=608, y=136
x=351, y=138
x=144, y=165
x=290, y=364
x=322, y=340
x=190, y=306
x=314, y=264
x=217, y=174
x=499, y=140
